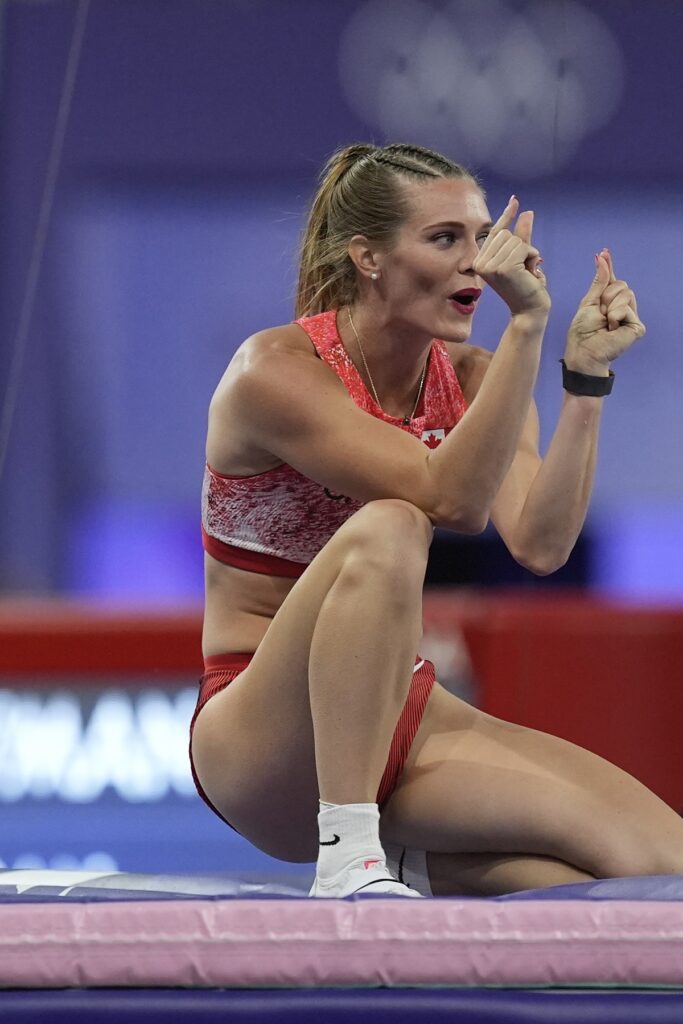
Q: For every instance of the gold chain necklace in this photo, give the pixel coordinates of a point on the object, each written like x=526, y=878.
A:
x=406, y=419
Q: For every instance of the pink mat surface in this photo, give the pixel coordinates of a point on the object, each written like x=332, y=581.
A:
x=298, y=942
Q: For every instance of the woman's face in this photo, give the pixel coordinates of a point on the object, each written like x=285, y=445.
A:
x=427, y=276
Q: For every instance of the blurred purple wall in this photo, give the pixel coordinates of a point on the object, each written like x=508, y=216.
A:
x=195, y=135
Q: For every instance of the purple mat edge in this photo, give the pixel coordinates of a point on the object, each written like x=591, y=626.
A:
x=309, y=1006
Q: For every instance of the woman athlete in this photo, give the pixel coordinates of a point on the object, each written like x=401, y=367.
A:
x=319, y=504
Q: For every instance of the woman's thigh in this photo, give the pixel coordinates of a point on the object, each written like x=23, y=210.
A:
x=256, y=764
x=475, y=784
x=253, y=743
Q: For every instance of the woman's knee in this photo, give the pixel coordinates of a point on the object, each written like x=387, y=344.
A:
x=387, y=541
x=390, y=529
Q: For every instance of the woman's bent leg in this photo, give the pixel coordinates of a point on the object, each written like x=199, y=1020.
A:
x=362, y=656
x=315, y=710
x=501, y=807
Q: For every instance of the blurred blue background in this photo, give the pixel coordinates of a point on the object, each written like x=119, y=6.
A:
x=194, y=137
x=195, y=134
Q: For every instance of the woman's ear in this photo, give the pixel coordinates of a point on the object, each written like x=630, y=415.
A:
x=364, y=257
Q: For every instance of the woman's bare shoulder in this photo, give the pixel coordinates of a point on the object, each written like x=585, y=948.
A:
x=262, y=354
x=285, y=338
x=273, y=342
x=271, y=367
x=470, y=363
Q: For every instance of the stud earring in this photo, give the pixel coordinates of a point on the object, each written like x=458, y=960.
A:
x=374, y=275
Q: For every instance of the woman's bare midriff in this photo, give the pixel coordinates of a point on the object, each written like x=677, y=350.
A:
x=239, y=607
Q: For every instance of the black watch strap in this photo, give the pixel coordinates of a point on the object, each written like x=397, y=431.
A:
x=584, y=384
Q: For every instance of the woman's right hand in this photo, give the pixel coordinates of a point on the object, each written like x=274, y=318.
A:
x=509, y=263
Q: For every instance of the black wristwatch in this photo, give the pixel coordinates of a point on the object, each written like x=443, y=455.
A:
x=584, y=384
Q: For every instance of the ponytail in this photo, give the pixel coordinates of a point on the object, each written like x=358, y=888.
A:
x=324, y=270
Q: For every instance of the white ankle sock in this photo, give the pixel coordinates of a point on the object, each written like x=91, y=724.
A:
x=349, y=838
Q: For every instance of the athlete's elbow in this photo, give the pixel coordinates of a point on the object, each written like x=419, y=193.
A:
x=473, y=523
x=541, y=562
x=464, y=519
x=539, y=568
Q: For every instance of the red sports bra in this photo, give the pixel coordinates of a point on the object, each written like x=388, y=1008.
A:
x=276, y=522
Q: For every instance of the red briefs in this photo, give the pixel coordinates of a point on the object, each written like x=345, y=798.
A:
x=221, y=669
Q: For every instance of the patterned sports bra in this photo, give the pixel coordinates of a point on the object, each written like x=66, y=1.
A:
x=276, y=522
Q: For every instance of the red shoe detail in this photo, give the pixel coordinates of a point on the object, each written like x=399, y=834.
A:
x=368, y=863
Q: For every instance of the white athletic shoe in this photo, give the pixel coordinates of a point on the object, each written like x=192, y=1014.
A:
x=371, y=881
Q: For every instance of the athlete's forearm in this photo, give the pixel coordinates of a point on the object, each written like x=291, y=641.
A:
x=469, y=466
x=556, y=506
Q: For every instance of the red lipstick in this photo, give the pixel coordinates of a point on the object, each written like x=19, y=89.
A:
x=465, y=301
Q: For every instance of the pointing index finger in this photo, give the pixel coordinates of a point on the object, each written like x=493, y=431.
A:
x=524, y=226
x=507, y=216
x=607, y=256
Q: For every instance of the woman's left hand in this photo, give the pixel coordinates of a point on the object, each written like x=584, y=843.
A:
x=605, y=324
